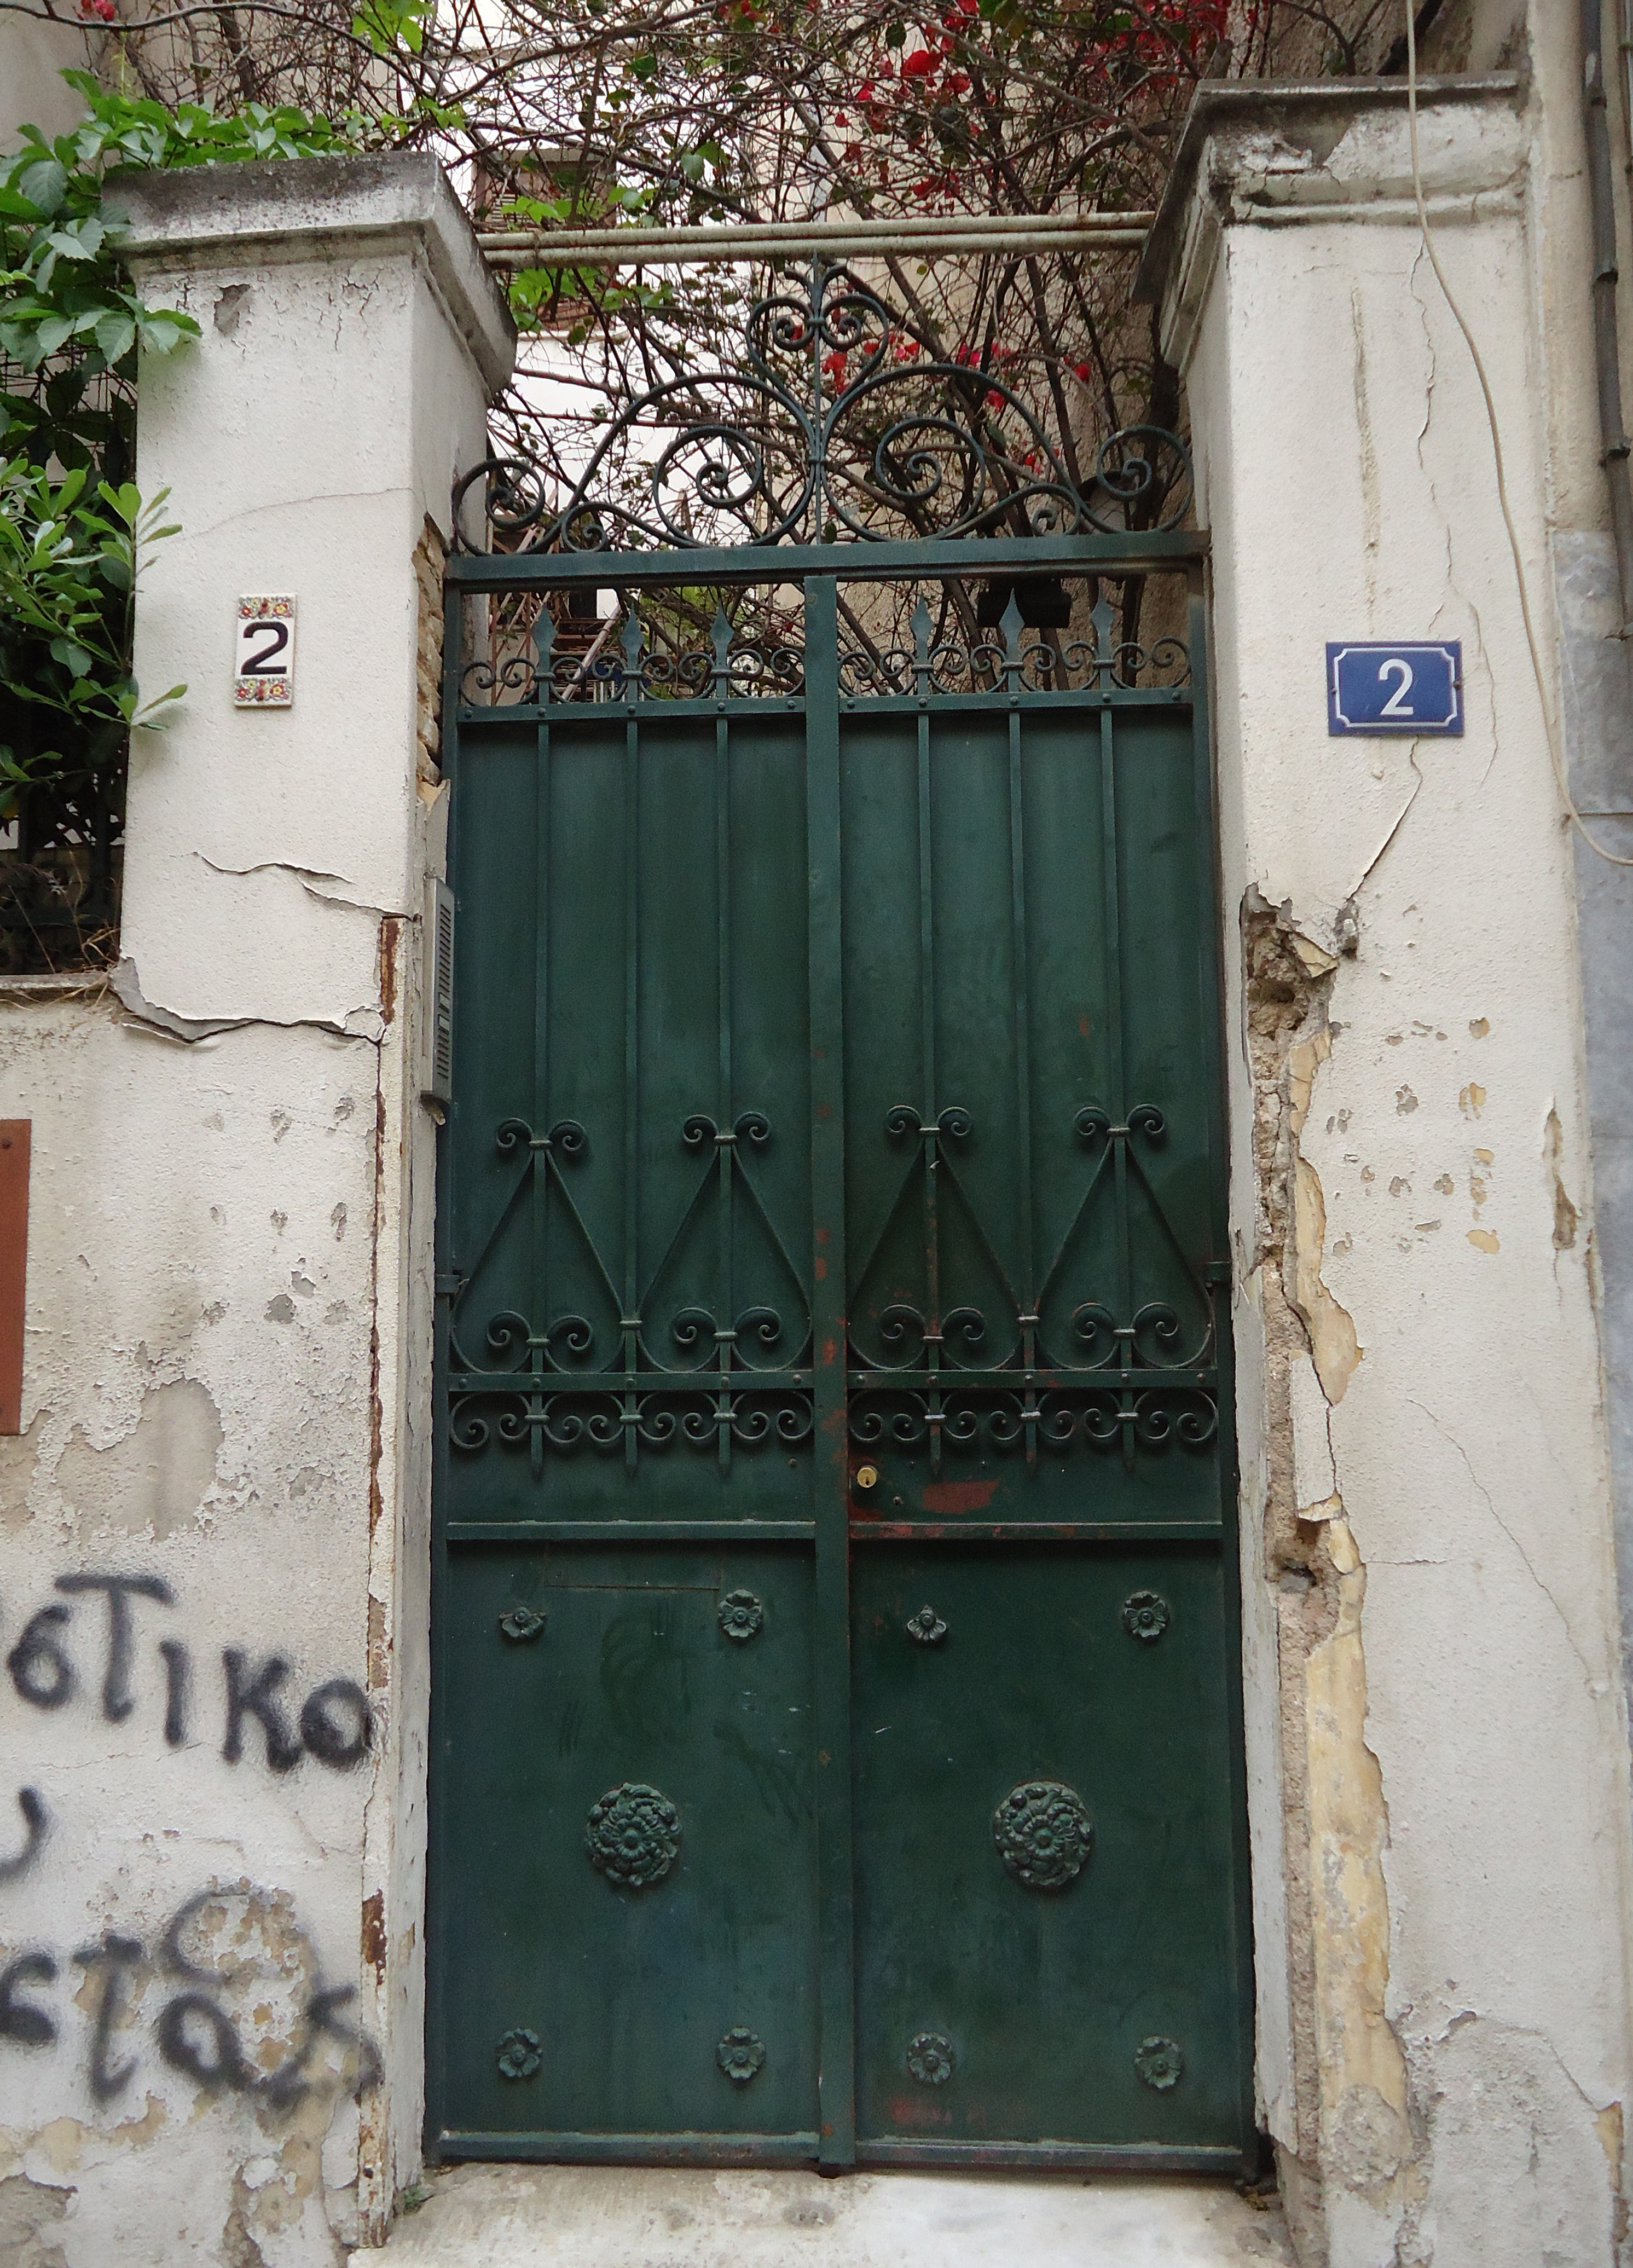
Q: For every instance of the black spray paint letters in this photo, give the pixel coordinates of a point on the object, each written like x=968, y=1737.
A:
x=194, y=2034
x=334, y=1723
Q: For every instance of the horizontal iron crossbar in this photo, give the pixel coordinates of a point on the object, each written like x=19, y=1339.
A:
x=872, y=704
x=849, y=562
x=1063, y=2157
x=956, y=1528
x=634, y=2149
x=631, y=1531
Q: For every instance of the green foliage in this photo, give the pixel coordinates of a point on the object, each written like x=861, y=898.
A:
x=74, y=533
x=71, y=554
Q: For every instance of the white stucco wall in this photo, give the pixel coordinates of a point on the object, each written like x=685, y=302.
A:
x=1461, y=1727
x=226, y=1392
x=229, y=1298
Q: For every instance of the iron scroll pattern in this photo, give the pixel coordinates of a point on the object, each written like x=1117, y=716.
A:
x=834, y=426
x=636, y=667
x=548, y=1384
x=1131, y=1375
x=1137, y=1374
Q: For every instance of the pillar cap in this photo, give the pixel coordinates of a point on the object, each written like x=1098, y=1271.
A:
x=304, y=207
x=1315, y=110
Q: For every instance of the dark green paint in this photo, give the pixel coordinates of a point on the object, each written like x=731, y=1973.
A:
x=824, y=911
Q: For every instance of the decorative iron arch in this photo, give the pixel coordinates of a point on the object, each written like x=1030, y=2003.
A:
x=833, y=429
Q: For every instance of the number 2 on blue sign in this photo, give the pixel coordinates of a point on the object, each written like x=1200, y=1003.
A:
x=1374, y=687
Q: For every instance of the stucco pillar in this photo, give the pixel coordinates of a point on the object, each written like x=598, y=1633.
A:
x=1436, y=1741
x=230, y=1288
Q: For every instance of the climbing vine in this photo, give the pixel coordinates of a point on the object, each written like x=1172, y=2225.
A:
x=74, y=533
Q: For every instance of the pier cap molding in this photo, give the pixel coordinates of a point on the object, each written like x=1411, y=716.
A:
x=1279, y=153
x=321, y=207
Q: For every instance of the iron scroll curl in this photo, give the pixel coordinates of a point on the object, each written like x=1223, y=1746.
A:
x=834, y=427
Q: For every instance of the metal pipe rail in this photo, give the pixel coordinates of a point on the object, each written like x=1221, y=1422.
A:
x=924, y=236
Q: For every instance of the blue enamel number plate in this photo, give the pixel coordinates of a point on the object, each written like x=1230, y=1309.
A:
x=1372, y=688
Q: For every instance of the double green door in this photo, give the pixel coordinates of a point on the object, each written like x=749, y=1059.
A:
x=835, y=1735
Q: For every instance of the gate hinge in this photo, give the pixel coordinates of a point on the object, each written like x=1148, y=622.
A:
x=449, y=1287
x=436, y=1007
x=1218, y=1272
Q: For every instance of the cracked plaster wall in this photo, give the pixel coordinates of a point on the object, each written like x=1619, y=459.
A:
x=210, y=1906
x=1437, y=1744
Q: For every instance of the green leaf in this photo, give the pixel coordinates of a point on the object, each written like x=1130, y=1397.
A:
x=73, y=657
x=45, y=184
x=116, y=334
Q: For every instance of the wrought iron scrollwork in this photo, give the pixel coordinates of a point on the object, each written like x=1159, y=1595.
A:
x=834, y=426
x=1113, y=1376
x=631, y=667
x=1011, y=662
x=729, y=1379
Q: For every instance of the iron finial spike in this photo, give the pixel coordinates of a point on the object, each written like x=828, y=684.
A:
x=1104, y=619
x=1012, y=627
x=720, y=638
x=921, y=644
x=543, y=646
x=630, y=641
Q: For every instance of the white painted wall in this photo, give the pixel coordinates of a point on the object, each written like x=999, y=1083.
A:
x=1471, y=2005
x=229, y=1292
x=226, y=1386
x=33, y=55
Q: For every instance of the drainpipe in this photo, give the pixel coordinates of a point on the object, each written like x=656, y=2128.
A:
x=1607, y=358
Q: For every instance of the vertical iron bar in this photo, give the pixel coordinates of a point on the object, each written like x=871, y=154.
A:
x=836, y=2145
x=1028, y=1270
x=439, y=1875
x=1118, y=1100
x=725, y=1323
x=928, y=1135
x=537, y=1308
x=629, y=1322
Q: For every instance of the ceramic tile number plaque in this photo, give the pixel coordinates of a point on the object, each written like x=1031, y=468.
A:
x=264, y=657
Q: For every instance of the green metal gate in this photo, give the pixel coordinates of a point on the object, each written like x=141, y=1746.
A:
x=836, y=1744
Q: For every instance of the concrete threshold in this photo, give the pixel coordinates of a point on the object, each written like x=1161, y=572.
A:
x=649, y=2217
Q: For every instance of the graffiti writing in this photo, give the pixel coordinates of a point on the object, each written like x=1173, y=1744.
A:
x=238, y=2006
x=334, y=1723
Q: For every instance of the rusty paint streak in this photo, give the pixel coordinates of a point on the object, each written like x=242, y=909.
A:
x=16, y=1143
x=377, y=1414
x=917, y=2111
x=391, y=930
x=958, y=1496
x=374, y=1934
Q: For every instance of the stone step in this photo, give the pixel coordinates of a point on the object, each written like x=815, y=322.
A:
x=655, y=2217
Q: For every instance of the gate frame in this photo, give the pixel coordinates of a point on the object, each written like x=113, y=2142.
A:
x=1171, y=551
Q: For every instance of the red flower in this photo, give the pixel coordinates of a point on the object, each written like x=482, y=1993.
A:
x=865, y=93
x=959, y=83
x=1083, y=371
x=834, y=365
x=853, y=151
x=995, y=400
x=840, y=119
x=919, y=64
x=103, y=9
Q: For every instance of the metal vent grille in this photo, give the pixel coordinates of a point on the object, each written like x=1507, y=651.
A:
x=437, y=1074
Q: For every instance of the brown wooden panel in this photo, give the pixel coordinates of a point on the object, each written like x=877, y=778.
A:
x=15, y=1135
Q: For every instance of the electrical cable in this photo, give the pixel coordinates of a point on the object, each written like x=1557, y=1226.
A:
x=1551, y=725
